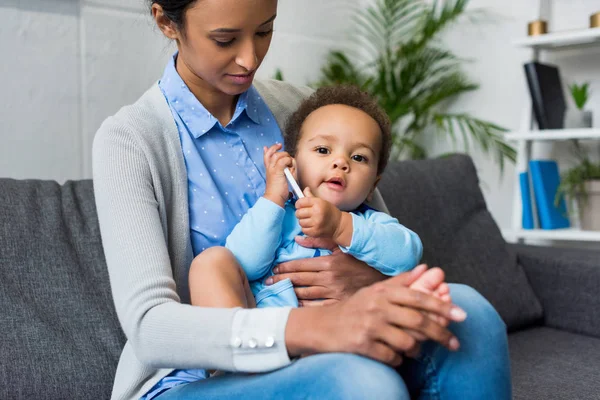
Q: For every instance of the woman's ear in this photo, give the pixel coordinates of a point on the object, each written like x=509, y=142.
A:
x=370, y=196
x=166, y=26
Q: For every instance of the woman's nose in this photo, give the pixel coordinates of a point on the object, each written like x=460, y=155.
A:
x=247, y=58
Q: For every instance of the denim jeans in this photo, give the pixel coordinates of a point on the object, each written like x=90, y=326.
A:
x=480, y=369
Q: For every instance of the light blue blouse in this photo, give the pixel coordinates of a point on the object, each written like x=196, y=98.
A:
x=225, y=171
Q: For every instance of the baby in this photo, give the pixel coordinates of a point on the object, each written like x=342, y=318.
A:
x=338, y=144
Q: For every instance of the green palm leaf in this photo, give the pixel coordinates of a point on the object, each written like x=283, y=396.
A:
x=402, y=65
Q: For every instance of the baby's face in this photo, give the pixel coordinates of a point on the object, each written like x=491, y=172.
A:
x=337, y=155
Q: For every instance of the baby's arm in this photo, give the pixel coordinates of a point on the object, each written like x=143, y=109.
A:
x=382, y=242
x=255, y=239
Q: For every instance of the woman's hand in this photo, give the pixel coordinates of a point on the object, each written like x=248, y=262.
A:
x=275, y=162
x=373, y=322
x=326, y=279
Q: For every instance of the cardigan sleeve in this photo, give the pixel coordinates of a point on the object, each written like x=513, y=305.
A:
x=163, y=332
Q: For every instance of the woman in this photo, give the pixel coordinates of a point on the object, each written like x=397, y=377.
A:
x=175, y=171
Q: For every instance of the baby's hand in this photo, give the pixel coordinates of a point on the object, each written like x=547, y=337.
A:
x=317, y=217
x=275, y=162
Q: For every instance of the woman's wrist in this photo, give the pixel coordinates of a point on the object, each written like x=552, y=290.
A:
x=302, y=332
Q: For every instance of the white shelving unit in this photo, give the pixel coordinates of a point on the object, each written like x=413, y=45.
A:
x=526, y=136
x=569, y=234
x=561, y=40
x=554, y=134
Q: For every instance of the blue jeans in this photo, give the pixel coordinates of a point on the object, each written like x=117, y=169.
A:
x=479, y=370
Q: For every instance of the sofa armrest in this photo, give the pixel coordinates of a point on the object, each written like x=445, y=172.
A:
x=567, y=283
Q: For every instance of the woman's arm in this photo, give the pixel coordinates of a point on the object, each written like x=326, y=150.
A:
x=161, y=331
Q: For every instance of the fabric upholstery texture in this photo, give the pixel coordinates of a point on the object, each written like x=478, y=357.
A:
x=60, y=335
x=442, y=202
x=552, y=364
x=567, y=282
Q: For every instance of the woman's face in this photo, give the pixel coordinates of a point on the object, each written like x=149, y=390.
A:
x=225, y=42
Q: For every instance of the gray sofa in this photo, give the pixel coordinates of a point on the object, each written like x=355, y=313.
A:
x=61, y=338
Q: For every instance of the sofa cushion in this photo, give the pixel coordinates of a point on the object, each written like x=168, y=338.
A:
x=60, y=335
x=442, y=202
x=550, y=364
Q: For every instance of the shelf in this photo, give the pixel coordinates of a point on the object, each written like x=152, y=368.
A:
x=561, y=40
x=554, y=134
x=570, y=234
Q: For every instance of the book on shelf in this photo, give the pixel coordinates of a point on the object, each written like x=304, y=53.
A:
x=547, y=96
x=527, y=221
x=544, y=181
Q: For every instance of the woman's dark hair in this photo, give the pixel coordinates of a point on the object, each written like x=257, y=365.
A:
x=174, y=10
x=347, y=95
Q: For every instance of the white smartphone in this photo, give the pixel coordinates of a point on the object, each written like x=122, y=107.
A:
x=295, y=188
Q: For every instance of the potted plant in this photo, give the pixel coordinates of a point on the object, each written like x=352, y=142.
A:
x=403, y=64
x=581, y=184
x=579, y=118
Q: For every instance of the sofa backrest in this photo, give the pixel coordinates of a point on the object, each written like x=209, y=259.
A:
x=441, y=201
x=60, y=335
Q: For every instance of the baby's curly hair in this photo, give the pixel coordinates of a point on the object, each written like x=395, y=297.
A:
x=348, y=95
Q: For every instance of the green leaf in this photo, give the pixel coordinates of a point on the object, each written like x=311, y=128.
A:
x=404, y=66
x=278, y=75
x=580, y=94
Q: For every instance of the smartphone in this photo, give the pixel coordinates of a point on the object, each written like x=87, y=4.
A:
x=295, y=188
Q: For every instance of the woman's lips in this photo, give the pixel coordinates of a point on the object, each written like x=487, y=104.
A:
x=241, y=79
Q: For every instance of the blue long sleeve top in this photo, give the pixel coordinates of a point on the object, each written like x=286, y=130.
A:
x=265, y=237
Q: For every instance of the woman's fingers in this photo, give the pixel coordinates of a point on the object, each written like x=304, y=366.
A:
x=311, y=292
x=398, y=339
x=385, y=354
x=421, y=301
x=412, y=319
x=299, y=278
x=317, y=303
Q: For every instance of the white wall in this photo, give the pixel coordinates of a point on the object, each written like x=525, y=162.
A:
x=68, y=64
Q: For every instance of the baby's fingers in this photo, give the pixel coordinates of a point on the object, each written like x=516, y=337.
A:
x=303, y=213
x=268, y=152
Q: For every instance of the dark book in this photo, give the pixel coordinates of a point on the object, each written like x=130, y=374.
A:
x=547, y=95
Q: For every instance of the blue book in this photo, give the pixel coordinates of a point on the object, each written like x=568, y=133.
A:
x=545, y=179
x=527, y=218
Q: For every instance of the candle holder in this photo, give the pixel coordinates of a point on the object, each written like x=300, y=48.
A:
x=538, y=27
x=595, y=20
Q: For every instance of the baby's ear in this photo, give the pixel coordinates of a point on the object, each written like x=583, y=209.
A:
x=370, y=196
x=293, y=169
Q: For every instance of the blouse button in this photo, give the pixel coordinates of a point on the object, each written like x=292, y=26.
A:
x=270, y=342
x=252, y=343
x=236, y=342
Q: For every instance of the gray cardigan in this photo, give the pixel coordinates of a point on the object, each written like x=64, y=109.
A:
x=140, y=185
